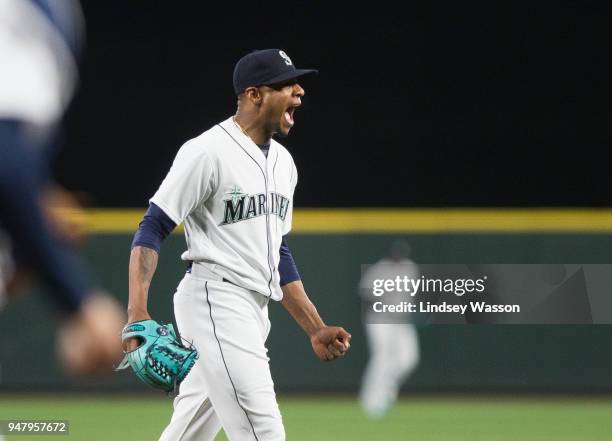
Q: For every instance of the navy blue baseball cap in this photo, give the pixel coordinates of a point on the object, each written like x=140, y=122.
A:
x=265, y=67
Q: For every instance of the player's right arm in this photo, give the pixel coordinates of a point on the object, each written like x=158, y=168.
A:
x=187, y=184
x=143, y=262
x=153, y=229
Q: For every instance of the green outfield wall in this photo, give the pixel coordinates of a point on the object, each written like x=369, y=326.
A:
x=464, y=358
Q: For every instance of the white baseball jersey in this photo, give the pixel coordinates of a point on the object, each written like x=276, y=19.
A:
x=394, y=348
x=236, y=205
x=387, y=269
x=38, y=73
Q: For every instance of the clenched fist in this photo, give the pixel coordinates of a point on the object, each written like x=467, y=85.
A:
x=330, y=342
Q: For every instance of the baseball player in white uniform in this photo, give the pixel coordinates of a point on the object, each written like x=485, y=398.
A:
x=232, y=188
x=394, y=347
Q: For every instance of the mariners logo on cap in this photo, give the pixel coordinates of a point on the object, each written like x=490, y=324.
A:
x=288, y=61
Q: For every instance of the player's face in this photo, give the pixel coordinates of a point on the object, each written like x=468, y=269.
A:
x=279, y=103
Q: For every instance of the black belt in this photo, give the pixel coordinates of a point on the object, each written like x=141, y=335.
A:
x=190, y=264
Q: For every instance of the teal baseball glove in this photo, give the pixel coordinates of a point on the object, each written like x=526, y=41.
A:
x=160, y=361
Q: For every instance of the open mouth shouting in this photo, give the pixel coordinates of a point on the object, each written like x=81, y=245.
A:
x=289, y=114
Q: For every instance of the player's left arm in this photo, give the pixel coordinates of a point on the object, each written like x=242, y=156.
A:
x=328, y=342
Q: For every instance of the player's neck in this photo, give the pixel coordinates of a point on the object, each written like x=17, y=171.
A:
x=251, y=128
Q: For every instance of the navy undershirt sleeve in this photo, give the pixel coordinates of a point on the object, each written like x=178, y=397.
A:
x=153, y=229
x=286, y=266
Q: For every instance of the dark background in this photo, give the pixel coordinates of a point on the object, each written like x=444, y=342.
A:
x=437, y=105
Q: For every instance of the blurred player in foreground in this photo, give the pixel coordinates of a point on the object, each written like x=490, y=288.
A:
x=39, y=40
x=393, y=347
x=232, y=187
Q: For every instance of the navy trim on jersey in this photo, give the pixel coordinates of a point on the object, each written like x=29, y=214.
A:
x=224, y=362
x=153, y=229
x=287, y=269
x=267, y=214
x=286, y=266
x=274, y=168
x=274, y=182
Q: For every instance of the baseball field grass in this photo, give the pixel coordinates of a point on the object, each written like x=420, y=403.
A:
x=338, y=418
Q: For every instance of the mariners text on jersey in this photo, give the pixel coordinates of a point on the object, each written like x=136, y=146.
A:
x=240, y=206
x=235, y=203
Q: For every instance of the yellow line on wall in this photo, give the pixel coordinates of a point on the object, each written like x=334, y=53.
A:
x=358, y=220
x=454, y=220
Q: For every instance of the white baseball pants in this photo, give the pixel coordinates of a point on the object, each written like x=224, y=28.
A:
x=394, y=355
x=230, y=385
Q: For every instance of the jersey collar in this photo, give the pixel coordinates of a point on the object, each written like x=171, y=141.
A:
x=248, y=145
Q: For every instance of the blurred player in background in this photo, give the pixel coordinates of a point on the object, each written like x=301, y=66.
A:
x=39, y=42
x=393, y=347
